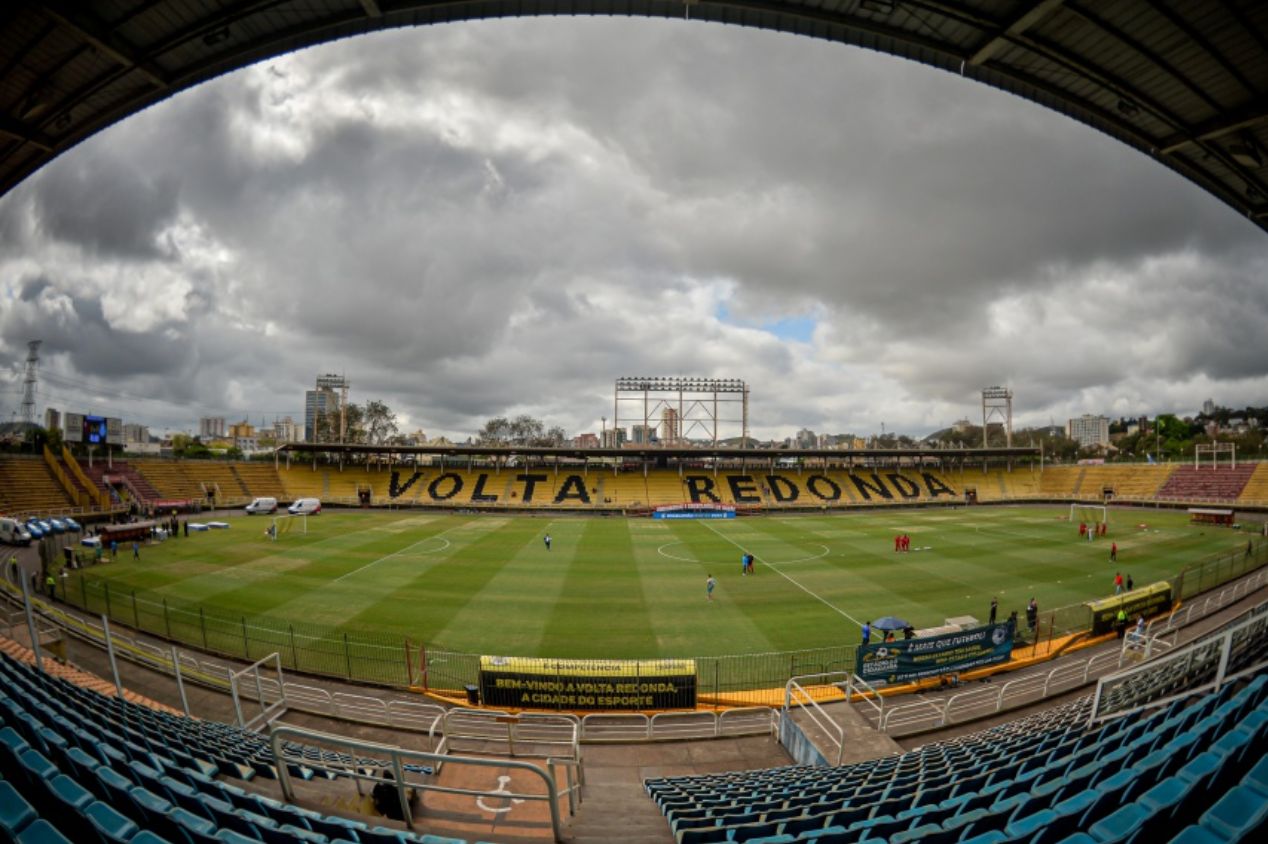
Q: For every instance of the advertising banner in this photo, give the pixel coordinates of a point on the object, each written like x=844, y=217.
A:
x=1147, y=601
x=694, y=511
x=912, y=659
x=694, y=514
x=596, y=684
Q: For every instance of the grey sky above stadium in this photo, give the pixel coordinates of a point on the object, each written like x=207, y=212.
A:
x=504, y=216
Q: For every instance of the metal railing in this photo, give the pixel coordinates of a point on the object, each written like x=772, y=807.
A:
x=925, y=714
x=796, y=696
x=1202, y=665
x=269, y=710
x=398, y=757
x=603, y=727
x=525, y=733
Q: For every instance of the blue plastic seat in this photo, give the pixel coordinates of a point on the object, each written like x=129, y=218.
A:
x=15, y=812
x=147, y=837
x=290, y=834
x=1257, y=777
x=41, y=832
x=64, y=800
x=1238, y=813
x=1195, y=834
x=113, y=827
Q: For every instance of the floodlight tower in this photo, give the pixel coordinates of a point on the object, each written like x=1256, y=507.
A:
x=997, y=403
x=29, y=380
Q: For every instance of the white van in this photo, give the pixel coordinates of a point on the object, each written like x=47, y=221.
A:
x=13, y=532
x=262, y=505
x=305, y=506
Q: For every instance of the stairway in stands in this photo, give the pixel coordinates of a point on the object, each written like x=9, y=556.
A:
x=99, y=470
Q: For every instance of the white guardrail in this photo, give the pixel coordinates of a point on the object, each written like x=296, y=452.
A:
x=798, y=699
x=1072, y=674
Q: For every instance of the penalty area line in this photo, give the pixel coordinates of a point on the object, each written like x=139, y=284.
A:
x=770, y=566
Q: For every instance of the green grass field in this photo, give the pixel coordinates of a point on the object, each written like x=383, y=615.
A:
x=635, y=588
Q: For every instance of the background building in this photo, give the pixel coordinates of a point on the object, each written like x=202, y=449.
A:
x=642, y=434
x=134, y=433
x=325, y=400
x=286, y=431
x=1089, y=431
x=614, y=437
x=211, y=426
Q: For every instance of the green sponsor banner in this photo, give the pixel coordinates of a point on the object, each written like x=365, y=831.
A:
x=597, y=684
x=1147, y=601
x=913, y=659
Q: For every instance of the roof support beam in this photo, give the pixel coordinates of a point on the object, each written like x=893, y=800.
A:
x=1226, y=124
x=99, y=35
x=1017, y=27
x=22, y=132
x=372, y=8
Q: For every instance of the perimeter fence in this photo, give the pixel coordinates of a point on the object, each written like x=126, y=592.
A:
x=386, y=659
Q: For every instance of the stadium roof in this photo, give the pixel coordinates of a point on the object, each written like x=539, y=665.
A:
x=653, y=452
x=1184, y=82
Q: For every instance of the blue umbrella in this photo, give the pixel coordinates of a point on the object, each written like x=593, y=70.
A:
x=889, y=622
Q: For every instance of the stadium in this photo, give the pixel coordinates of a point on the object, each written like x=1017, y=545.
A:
x=647, y=643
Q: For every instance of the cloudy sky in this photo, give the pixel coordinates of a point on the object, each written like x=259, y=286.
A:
x=504, y=216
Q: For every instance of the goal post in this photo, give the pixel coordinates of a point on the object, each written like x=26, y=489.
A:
x=288, y=524
x=1090, y=513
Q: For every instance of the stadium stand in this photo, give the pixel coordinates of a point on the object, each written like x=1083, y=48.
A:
x=753, y=487
x=260, y=479
x=1190, y=483
x=343, y=484
x=1256, y=489
x=27, y=485
x=210, y=474
x=1060, y=481
x=1040, y=779
x=1020, y=483
x=169, y=478
x=304, y=481
x=1127, y=483
x=665, y=488
x=134, y=481
x=79, y=766
x=625, y=489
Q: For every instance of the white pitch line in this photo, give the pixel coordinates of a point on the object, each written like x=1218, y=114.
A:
x=395, y=553
x=814, y=595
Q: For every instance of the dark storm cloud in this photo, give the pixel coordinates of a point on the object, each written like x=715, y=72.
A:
x=112, y=205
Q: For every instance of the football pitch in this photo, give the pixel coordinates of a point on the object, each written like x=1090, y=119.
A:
x=624, y=588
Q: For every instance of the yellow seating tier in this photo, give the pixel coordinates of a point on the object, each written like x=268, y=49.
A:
x=261, y=479
x=1256, y=489
x=28, y=486
x=571, y=486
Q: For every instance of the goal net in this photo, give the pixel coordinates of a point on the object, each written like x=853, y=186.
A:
x=283, y=525
x=1092, y=514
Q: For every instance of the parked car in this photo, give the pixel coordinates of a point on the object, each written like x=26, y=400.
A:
x=262, y=505
x=59, y=526
x=72, y=525
x=14, y=532
x=33, y=527
x=305, y=506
